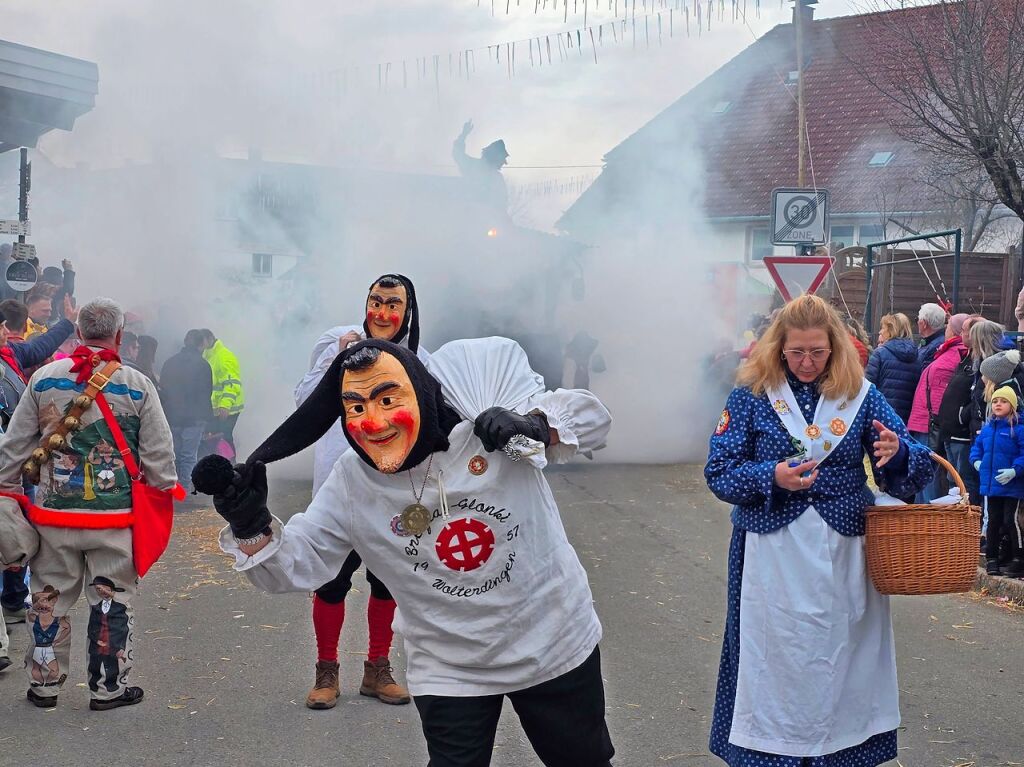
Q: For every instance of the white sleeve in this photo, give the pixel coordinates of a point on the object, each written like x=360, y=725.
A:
x=580, y=419
x=307, y=552
x=328, y=345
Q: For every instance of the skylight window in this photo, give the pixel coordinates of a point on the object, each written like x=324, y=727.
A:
x=721, y=107
x=793, y=76
x=881, y=159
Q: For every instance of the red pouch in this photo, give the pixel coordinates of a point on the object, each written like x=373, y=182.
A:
x=152, y=508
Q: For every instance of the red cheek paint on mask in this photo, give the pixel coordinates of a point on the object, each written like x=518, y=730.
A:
x=369, y=316
x=396, y=320
x=404, y=419
x=353, y=428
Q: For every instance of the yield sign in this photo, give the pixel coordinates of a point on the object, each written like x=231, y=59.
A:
x=795, y=275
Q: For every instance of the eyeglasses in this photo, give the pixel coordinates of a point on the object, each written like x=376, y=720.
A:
x=798, y=355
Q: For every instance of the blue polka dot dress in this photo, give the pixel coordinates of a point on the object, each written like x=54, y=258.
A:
x=748, y=443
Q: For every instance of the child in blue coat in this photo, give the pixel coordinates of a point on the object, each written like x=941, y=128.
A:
x=998, y=455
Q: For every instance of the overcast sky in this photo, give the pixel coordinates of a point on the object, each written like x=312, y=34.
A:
x=225, y=75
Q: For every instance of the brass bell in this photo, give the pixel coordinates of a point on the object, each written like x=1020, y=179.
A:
x=40, y=456
x=55, y=442
x=71, y=423
x=29, y=468
x=82, y=402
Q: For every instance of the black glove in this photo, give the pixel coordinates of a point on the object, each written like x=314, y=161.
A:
x=496, y=426
x=244, y=503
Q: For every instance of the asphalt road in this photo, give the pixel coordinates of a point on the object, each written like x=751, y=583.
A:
x=226, y=668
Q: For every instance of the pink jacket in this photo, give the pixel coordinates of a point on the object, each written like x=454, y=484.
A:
x=937, y=376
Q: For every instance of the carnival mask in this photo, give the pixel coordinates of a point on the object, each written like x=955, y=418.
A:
x=381, y=411
x=385, y=311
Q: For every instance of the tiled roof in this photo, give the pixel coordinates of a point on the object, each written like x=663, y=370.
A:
x=751, y=148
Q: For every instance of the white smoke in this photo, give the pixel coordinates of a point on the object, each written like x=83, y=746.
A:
x=142, y=197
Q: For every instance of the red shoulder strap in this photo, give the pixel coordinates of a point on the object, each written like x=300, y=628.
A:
x=119, y=440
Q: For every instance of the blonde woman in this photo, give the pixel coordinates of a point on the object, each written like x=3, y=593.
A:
x=894, y=366
x=808, y=671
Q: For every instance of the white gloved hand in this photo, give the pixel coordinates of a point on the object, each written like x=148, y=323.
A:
x=977, y=465
x=1005, y=476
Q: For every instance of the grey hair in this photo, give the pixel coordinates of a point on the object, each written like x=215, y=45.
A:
x=984, y=339
x=933, y=315
x=361, y=358
x=100, y=319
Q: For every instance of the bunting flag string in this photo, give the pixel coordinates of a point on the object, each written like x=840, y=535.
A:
x=508, y=57
x=628, y=8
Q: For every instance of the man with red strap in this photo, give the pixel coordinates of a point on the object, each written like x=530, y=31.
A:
x=84, y=511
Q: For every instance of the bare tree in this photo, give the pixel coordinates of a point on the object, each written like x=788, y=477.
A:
x=955, y=70
x=965, y=199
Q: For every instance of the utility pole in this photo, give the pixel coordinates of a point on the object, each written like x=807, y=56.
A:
x=25, y=185
x=802, y=10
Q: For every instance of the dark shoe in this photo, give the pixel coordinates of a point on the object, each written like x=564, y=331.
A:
x=129, y=697
x=982, y=544
x=4, y=662
x=378, y=683
x=326, y=688
x=1014, y=570
x=992, y=566
x=14, y=616
x=40, y=700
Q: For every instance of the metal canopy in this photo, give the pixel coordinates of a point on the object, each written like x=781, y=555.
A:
x=40, y=91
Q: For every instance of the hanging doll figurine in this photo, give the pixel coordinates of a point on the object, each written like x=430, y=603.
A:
x=998, y=457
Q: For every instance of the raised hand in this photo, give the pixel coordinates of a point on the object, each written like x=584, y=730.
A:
x=887, y=444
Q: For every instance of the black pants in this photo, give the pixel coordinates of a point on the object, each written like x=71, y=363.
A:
x=336, y=590
x=1002, y=520
x=563, y=718
x=15, y=591
x=109, y=663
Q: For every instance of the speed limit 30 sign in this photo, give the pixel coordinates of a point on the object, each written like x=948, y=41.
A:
x=799, y=216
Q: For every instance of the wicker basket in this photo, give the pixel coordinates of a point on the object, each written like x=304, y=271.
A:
x=924, y=548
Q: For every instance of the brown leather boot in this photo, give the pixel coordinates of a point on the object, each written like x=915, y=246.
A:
x=325, y=690
x=378, y=683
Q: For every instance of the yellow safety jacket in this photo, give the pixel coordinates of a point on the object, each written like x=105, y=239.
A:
x=227, y=379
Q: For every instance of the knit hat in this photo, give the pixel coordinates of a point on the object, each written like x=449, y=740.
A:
x=1000, y=367
x=1007, y=393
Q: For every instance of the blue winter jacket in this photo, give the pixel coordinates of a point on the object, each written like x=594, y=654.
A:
x=1000, y=446
x=895, y=369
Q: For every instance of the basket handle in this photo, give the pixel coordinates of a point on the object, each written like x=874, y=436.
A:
x=964, y=500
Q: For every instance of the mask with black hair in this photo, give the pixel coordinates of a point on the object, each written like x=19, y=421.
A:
x=392, y=312
x=392, y=410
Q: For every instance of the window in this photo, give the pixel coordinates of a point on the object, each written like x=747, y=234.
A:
x=721, y=107
x=870, y=233
x=881, y=159
x=841, y=236
x=793, y=76
x=760, y=243
x=262, y=264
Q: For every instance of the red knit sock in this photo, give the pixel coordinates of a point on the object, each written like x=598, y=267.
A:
x=379, y=614
x=327, y=621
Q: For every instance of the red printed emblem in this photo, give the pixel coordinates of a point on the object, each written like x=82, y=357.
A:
x=464, y=544
x=477, y=465
x=723, y=423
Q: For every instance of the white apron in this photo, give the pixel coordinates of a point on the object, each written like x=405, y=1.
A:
x=817, y=661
